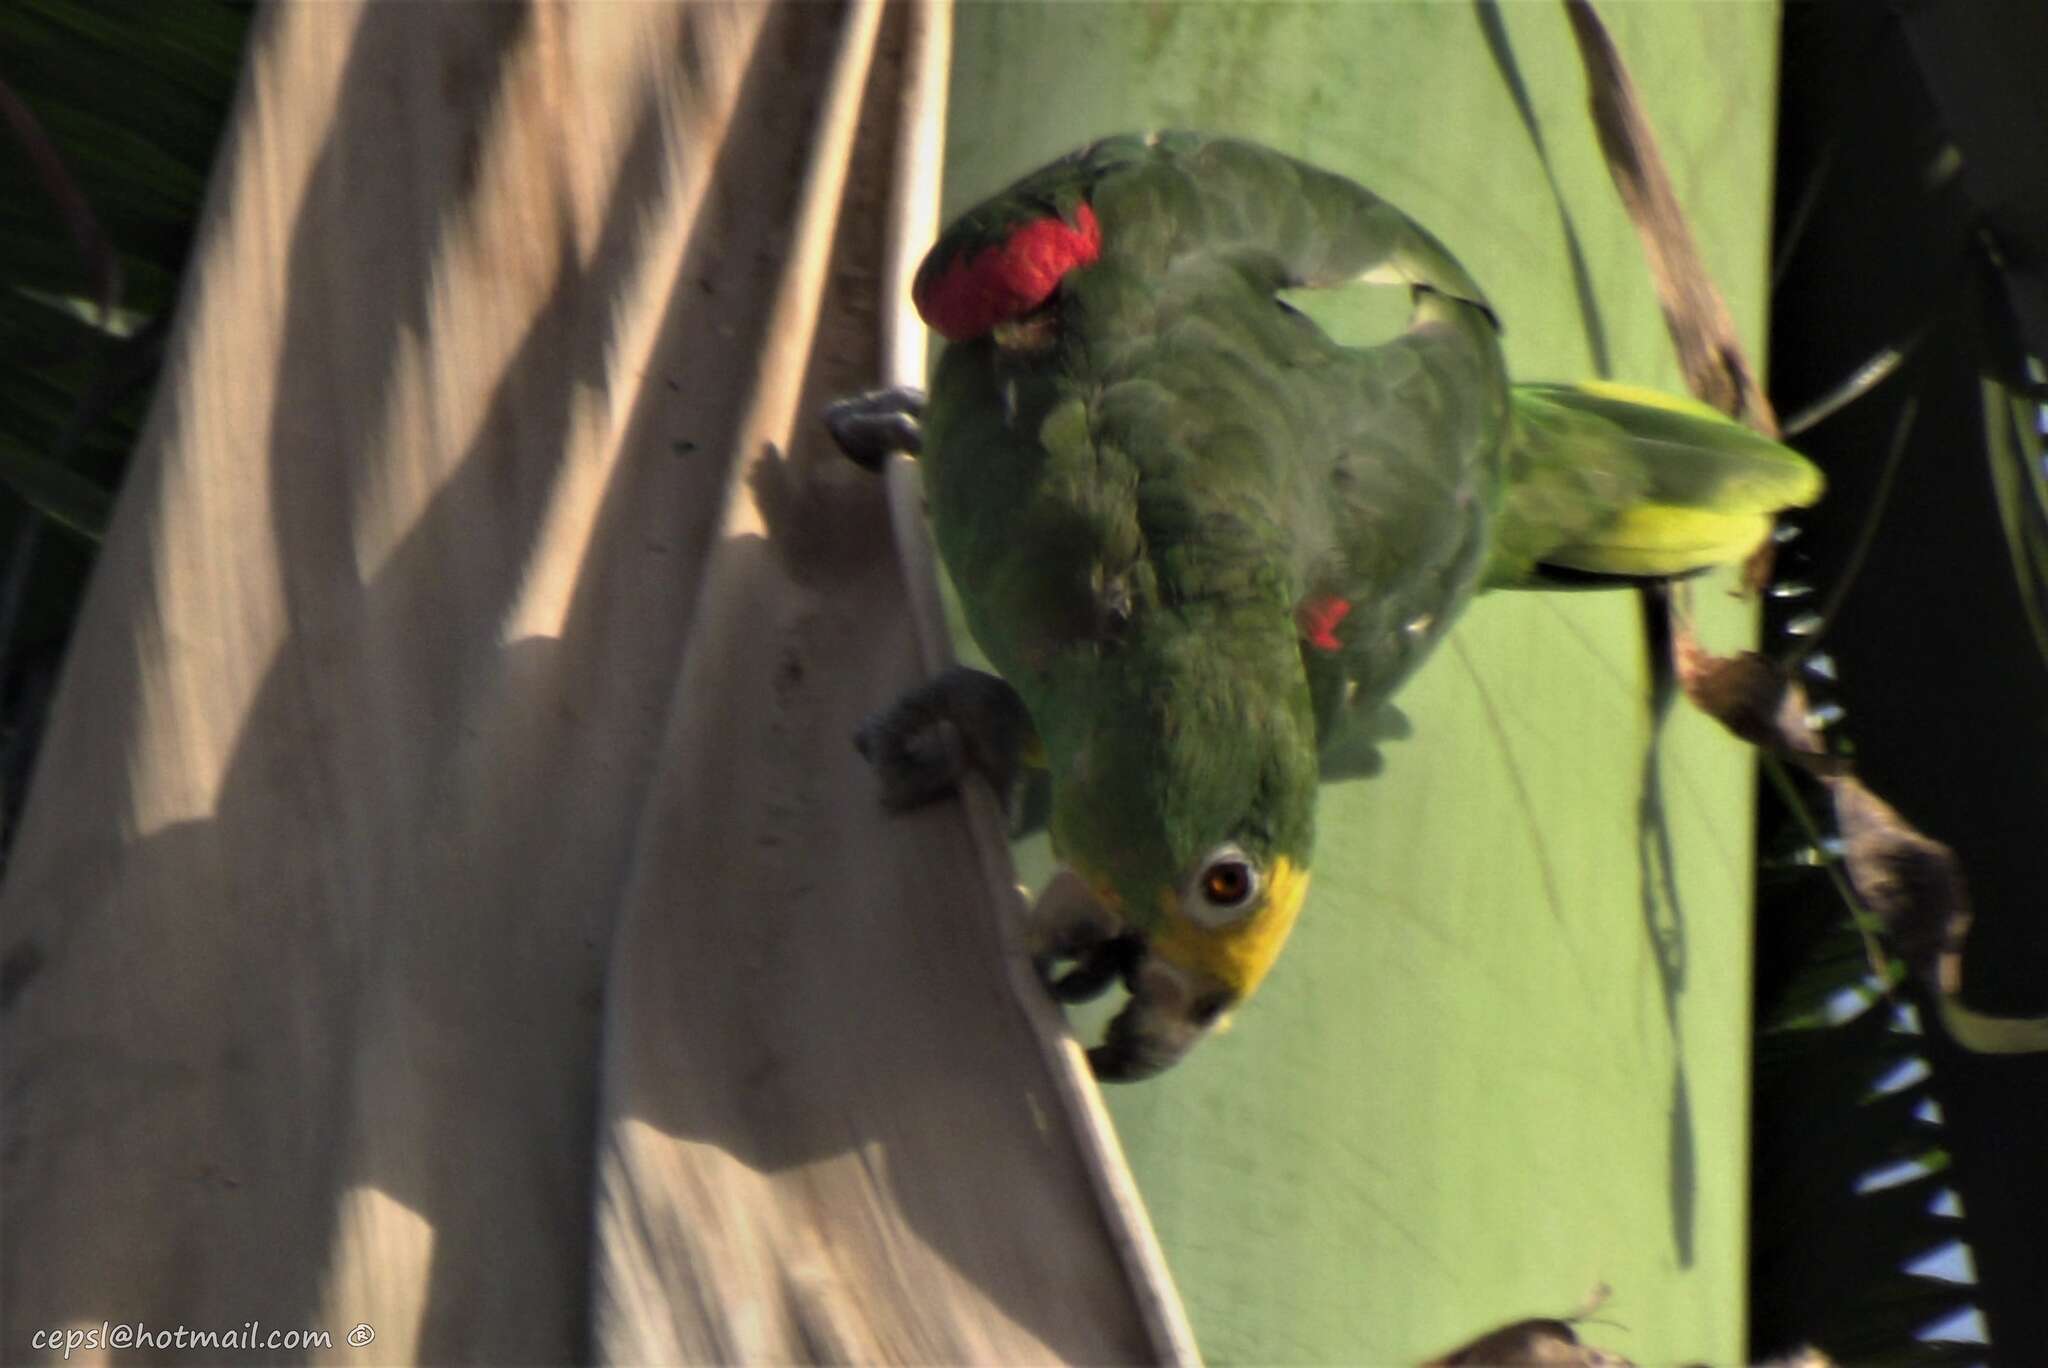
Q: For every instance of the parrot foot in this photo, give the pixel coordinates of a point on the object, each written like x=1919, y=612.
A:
x=924, y=743
x=1069, y=924
x=869, y=426
x=1095, y=968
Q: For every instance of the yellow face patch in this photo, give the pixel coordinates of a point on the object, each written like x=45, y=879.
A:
x=1237, y=955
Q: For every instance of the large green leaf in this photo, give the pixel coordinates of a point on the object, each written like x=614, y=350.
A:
x=1506, y=1058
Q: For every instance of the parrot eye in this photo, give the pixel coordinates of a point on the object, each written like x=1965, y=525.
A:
x=1227, y=882
x=1227, y=885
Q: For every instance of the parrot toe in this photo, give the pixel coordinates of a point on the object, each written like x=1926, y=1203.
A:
x=1095, y=968
x=917, y=761
x=925, y=742
x=1069, y=924
x=869, y=426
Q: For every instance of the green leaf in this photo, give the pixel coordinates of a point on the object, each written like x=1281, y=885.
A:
x=2013, y=483
x=61, y=494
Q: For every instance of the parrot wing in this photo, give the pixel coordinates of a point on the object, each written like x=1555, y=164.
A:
x=1613, y=482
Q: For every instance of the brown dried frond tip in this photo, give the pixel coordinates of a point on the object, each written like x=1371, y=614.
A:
x=1530, y=1342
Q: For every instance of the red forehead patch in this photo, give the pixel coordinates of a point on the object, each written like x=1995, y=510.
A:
x=1010, y=279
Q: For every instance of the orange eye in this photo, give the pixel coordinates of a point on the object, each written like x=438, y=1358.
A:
x=1227, y=883
x=1225, y=889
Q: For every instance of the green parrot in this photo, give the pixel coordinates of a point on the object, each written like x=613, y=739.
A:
x=1203, y=542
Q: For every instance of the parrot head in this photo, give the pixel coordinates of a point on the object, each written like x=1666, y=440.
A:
x=1188, y=811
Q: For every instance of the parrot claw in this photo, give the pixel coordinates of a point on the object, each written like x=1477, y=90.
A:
x=1095, y=968
x=918, y=762
x=1069, y=924
x=869, y=426
x=923, y=744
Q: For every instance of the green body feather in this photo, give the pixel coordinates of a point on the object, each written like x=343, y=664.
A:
x=1135, y=500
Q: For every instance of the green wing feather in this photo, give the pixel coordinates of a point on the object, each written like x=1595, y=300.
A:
x=1615, y=481
x=1186, y=441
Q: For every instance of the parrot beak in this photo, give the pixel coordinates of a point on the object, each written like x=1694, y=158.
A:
x=1171, y=1006
x=1169, y=1011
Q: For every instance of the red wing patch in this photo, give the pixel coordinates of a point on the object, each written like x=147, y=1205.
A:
x=1010, y=279
x=1318, y=616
